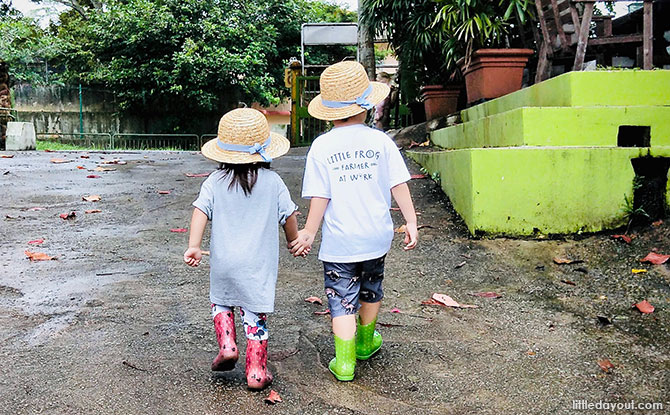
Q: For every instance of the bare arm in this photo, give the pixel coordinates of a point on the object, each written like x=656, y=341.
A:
x=404, y=200
x=291, y=227
x=317, y=208
x=193, y=254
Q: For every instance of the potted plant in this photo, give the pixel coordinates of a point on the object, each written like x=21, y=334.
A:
x=479, y=41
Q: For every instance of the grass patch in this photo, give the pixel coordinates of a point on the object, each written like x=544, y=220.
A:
x=56, y=146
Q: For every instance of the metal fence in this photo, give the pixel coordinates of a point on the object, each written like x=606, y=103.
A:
x=127, y=141
x=98, y=141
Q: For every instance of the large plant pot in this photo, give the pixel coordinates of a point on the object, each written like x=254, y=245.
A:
x=439, y=100
x=493, y=73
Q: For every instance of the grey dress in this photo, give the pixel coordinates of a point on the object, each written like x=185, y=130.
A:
x=244, y=245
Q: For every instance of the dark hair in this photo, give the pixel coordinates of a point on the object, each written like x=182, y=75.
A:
x=243, y=175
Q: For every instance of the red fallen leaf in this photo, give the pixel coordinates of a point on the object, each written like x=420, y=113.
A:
x=91, y=198
x=450, y=302
x=93, y=211
x=656, y=259
x=561, y=261
x=85, y=156
x=38, y=256
x=487, y=294
x=60, y=161
x=196, y=174
x=568, y=282
x=314, y=300
x=273, y=397
x=7, y=156
x=179, y=230
x=164, y=192
x=657, y=223
x=322, y=313
x=627, y=239
x=605, y=365
x=36, y=242
x=644, y=306
x=67, y=216
x=92, y=176
x=395, y=310
x=81, y=167
x=418, y=176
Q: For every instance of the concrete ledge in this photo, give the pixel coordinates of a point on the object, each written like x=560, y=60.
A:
x=20, y=136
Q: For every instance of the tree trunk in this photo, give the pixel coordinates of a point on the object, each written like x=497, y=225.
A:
x=366, y=45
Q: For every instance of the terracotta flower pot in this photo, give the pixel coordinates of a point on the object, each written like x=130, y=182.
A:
x=493, y=73
x=439, y=100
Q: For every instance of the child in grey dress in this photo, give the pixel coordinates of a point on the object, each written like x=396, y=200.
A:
x=245, y=202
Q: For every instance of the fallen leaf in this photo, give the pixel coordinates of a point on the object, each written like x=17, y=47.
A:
x=418, y=176
x=605, y=365
x=395, y=310
x=423, y=226
x=627, y=239
x=530, y=353
x=38, y=256
x=487, y=294
x=314, y=300
x=450, y=302
x=36, y=242
x=644, y=306
x=400, y=229
x=568, y=282
x=81, y=167
x=196, y=174
x=60, y=161
x=48, y=151
x=179, y=230
x=115, y=161
x=93, y=211
x=656, y=259
x=657, y=223
x=460, y=265
x=562, y=261
x=638, y=270
x=395, y=209
x=425, y=143
x=7, y=156
x=66, y=216
x=273, y=397
x=322, y=313
x=104, y=169
x=85, y=156
x=164, y=192
x=91, y=198
x=431, y=302
x=92, y=176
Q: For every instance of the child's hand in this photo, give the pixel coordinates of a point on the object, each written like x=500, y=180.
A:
x=303, y=244
x=192, y=256
x=411, y=236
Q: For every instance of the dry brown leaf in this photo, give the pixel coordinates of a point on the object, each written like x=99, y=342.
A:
x=322, y=313
x=400, y=229
x=103, y=169
x=81, y=167
x=38, y=256
x=196, y=174
x=85, y=156
x=93, y=211
x=91, y=198
x=568, y=282
x=656, y=259
x=644, y=306
x=561, y=261
x=657, y=223
x=450, y=302
x=605, y=365
x=273, y=397
x=314, y=300
x=60, y=161
x=164, y=192
x=7, y=156
x=66, y=216
x=627, y=239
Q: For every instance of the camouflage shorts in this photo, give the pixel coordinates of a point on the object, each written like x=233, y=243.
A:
x=347, y=282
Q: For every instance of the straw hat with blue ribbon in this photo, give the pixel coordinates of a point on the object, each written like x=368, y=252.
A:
x=345, y=92
x=244, y=137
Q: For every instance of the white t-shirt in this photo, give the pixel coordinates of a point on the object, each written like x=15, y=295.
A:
x=355, y=167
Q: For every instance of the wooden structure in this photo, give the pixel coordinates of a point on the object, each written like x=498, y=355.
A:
x=566, y=26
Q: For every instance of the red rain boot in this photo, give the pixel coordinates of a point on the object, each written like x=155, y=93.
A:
x=258, y=374
x=224, y=324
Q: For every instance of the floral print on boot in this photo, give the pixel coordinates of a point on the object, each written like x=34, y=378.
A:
x=224, y=324
x=258, y=374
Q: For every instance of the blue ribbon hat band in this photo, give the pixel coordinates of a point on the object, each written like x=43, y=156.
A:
x=360, y=101
x=252, y=149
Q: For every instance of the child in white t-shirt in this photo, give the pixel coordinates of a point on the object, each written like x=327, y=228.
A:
x=350, y=175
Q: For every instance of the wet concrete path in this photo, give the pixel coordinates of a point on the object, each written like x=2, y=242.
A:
x=118, y=324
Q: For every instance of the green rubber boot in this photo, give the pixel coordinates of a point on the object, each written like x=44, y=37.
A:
x=368, y=340
x=344, y=362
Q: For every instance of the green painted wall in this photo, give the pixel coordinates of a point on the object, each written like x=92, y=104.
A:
x=556, y=126
x=583, y=89
x=523, y=190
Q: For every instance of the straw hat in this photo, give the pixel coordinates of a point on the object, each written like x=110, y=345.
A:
x=345, y=92
x=244, y=137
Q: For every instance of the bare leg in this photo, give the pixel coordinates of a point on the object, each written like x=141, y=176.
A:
x=344, y=327
x=368, y=312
